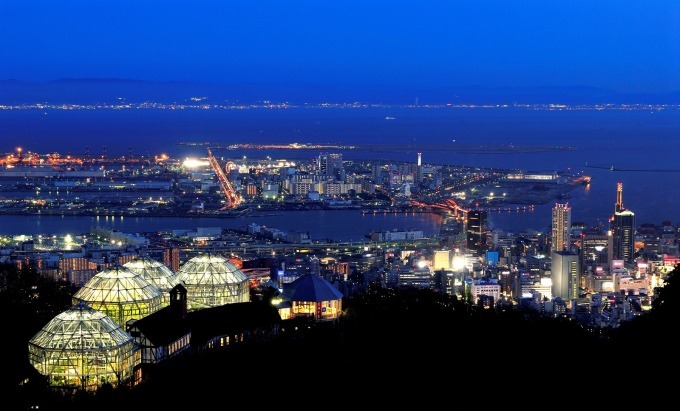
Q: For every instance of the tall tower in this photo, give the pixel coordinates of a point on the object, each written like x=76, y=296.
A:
x=561, y=227
x=476, y=231
x=618, y=207
x=565, y=275
x=322, y=164
x=622, y=227
x=419, y=169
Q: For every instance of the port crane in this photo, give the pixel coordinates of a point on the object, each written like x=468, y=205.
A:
x=233, y=200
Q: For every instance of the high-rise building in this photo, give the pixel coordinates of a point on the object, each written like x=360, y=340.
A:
x=328, y=164
x=476, y=231
x=561, y=227
x=595, y=250
x=622, y=227
x=565, y=275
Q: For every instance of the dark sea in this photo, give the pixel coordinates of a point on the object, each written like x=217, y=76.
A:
x=642, y=146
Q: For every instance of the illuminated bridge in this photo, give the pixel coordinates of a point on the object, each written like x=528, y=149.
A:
x=449, y=206
x=452, y=207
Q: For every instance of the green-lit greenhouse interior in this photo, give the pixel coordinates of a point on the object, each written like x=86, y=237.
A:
x=121, y=294
x=82, y=348
x=156, y=273
x=211, y=280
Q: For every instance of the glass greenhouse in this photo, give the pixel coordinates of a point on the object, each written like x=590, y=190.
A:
x=211, y=280
x=121, y=294
x=82, y=348
x=156, y=273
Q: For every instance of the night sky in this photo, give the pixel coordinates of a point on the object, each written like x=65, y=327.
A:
x=627, y=46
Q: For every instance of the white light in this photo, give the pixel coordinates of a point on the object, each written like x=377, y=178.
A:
x=458, y=263
x=421, y=264
x=195, y=163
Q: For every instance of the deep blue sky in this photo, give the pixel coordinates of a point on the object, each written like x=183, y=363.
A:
x=628, y=46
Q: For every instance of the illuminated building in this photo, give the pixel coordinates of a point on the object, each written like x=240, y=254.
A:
x=313, y=297
x=396, y=235
x=211, y=280
x=476, y=231
x=622, y=226
x=125, y=258
x=504, y=242
x=251, y=190
x=419, y=169
x=67, y=264
x=634, y=286
x=565, y=274
x=623, y=236
x=121, y=294
x=116, y=237
x=595, y=251
x=442, y=260
x=489, y=288
x=329, y=164
x=542, y=286
x=156, y=273
x=561, y=227
x=417, y=277
x=82, y=348
x=171, y=258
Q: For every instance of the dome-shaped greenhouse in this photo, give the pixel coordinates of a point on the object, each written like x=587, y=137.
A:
x=82, y=348
x=211, y=280
x=156, y=273
x=121, y=294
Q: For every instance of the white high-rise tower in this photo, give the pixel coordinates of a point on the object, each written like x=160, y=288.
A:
x=561, y=227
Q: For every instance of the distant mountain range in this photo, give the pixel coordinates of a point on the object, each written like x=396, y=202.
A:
x=110, y=90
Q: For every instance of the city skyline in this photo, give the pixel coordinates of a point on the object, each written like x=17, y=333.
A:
x=214, y=195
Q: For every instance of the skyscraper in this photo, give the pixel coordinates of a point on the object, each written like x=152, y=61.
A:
x=565, y=274
x=561, y=227
x=419, y=169
x=622, y=227
x=328, y=164
x=476, y=231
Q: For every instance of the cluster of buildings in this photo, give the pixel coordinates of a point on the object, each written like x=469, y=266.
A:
x=596, y=275
x=162, y=185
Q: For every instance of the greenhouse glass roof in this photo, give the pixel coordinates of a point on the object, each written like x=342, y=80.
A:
x=155, y=272
x=118, y=284
x=81, y=328
x=210, y=269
